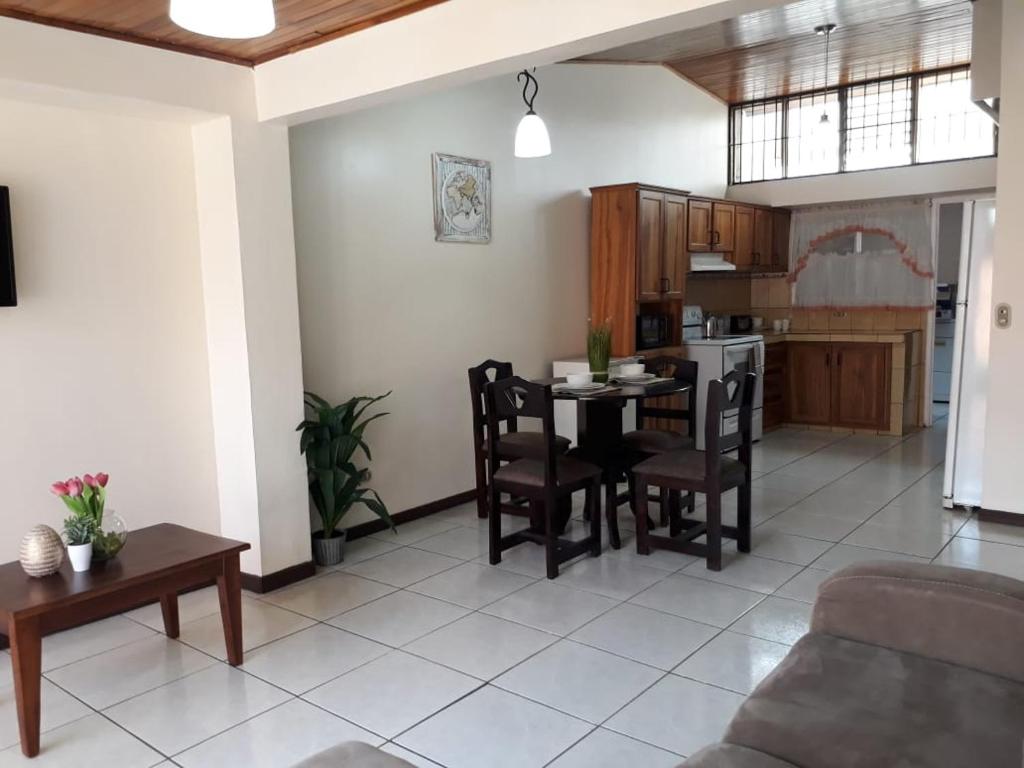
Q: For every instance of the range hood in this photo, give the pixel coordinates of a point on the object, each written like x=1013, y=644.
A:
x=710, y=262
x=986, y=47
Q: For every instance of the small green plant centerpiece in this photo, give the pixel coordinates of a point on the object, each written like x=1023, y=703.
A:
x=330, y=439
x=599, y=349
x=86, y=497
x=79, y=531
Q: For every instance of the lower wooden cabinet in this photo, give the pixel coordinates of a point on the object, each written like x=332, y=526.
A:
x=860, y=385
x=775, y=385
x=839, y=384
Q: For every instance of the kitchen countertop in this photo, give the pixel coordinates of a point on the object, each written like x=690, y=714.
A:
x=886, y=337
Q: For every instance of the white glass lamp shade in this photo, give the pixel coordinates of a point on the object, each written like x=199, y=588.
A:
x=532, y=138
x=234, y=19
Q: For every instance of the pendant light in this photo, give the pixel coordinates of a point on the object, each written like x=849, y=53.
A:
x=532, y=138
x=826, y=30
x=234, y=19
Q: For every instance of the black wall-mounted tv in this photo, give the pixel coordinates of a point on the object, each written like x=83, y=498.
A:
x=8, y=296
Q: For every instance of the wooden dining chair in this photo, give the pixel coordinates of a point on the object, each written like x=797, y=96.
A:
x=515, y=445
x=707, y=472
x=646, y=440
x=543, y=478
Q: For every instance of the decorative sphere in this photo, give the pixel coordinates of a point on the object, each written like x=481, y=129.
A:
x=42, y=551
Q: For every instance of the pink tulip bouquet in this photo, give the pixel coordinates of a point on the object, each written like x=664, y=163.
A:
x=85, y=497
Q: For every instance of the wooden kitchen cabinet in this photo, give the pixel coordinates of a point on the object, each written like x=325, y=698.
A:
x=723, y=222
x=842, y=384
x=676, y=258
x=743, y=237
x=762, y=246
x=638, y=258
x=699, y=227
x=775, y=385
x=860, y=387
x=662, y=258
x=780, y=240
x=809, y=374
x=650, y=245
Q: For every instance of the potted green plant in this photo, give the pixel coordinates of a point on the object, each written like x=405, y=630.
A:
x=329, y=441
x=599, y=348
x=79, y=530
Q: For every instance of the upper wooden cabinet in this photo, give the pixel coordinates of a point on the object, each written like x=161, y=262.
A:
x=699, y=227
x=743, y=237
x=650, y=278
x=780, y=239
x=662, y=258
x=723, y=222
x=752, y=244
x=676, y=256
x=638, y=255
x=762, y=253
x=711, y=226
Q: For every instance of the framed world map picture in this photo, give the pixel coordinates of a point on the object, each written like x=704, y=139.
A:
x=462, y=199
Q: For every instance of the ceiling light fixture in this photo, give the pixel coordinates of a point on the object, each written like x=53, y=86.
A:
x=234, y=19
x=826, y=30
x=532, y=138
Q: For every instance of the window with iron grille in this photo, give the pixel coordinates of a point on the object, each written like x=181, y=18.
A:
x=887, y=123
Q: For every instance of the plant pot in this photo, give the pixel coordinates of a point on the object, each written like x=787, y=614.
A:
x=80, y=556
x=329, y=551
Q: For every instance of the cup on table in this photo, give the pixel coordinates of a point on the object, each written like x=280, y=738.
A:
x=631, y=369
x=785, y=325
x=758, y=323
x=579, y=379
x=777, y=326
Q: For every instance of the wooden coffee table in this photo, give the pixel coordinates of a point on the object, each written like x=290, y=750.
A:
x=158, y=562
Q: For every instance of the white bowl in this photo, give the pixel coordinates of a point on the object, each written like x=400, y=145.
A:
x=631, y=369
x=579, y=379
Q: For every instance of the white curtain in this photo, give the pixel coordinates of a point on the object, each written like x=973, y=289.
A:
x=872, y=255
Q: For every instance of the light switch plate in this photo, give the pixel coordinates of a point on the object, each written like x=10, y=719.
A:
x=1003, y=316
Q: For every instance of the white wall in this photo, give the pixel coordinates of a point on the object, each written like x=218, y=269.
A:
x=385, y=307
x=1001, y=489
x=925, y=180
x=104, y=360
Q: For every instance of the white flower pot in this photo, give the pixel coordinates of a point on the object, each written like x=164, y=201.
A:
x=81, y=556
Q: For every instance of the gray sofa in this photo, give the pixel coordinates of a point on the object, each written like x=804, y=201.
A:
x=906, y=665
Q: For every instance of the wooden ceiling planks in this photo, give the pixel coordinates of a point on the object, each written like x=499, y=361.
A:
x=300, y=23
x=775, y=52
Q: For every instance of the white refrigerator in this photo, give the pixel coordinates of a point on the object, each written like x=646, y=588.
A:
x=965, y=442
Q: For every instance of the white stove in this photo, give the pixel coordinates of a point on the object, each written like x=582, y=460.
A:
x=717, y=356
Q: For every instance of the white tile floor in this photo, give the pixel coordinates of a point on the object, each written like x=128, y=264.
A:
x=416, y=644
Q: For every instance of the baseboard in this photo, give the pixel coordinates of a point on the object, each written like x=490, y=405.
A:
x=998, y=516
x=408, y=515
x=278, y=579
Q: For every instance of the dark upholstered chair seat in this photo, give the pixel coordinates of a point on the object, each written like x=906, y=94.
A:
x=843, y=704
x=528, y=444
x=528, y=472
x=689, y=467
x=656, y=441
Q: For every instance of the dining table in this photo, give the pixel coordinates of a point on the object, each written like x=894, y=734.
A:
x=599, y=427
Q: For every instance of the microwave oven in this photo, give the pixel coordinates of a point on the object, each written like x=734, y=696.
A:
x=652, y=331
